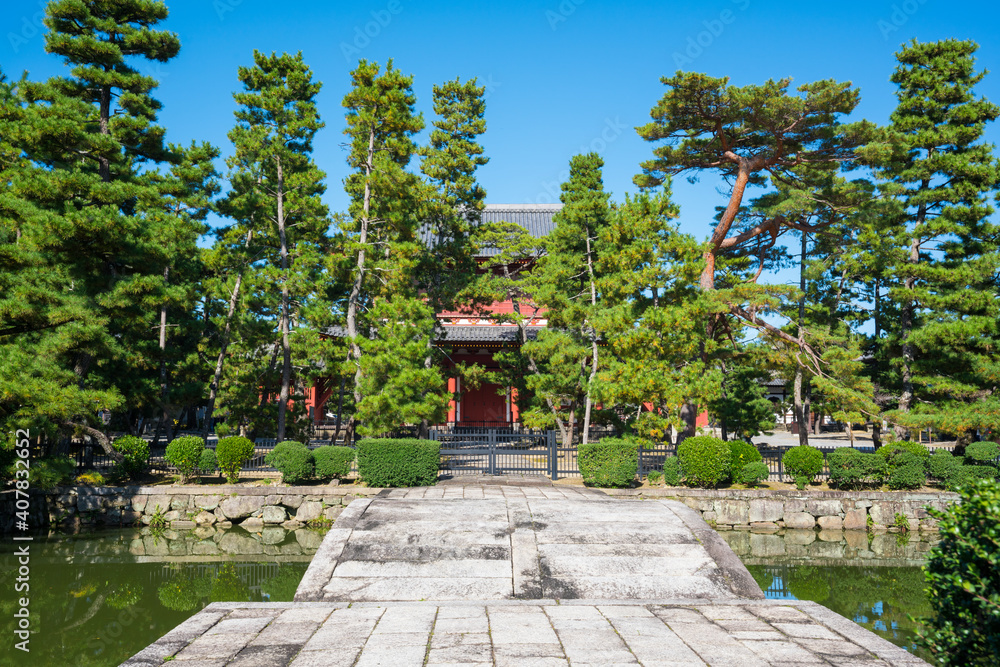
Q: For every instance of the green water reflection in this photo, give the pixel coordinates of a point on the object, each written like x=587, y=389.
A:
x=93, y=601
x=876, y=583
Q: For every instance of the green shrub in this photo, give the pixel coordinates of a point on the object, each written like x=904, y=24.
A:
x=208, y=463
x=754, y=473
x=610, y=463
x=965, y=475
x=654, y=477
x=333, y=462
x=405, y=462
x=894, y=449
x=47, y=474
x=906, y=471
x=943, y=465
x=740, y=454
x=963, y=576
x=803, y=463
x=232, y=453
x=135, y=455
x=178, y=594
x=672, y=473
x=91, y=478
x=851, y=469
x=185, y=454
x=705, y=460
x=293, y=459
x=982, y=452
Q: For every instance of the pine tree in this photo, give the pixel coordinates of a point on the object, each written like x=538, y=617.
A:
x=933, y=164
x=657, y=357
x=749, y=135
x=567, y=278
x=276, y=190
x=448, y=267
x=85, y=185
x=388, y=322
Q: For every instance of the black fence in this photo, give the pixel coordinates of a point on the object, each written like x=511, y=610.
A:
x=510, y=449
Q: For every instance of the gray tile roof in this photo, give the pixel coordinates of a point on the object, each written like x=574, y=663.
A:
x=462, y=334
x=484, y=334
x=535, y=218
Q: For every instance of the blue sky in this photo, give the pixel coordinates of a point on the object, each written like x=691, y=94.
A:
x=562, y=77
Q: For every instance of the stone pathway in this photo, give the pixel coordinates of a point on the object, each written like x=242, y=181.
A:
x=521, y=575
x=523, y=543
x=516, y=634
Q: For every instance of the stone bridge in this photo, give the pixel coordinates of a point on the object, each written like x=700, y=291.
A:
x=497, y=575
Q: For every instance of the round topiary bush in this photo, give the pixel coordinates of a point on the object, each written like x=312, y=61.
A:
x=740, y=454
x=208, y=462
x=803, y=463
x=754, y=473
x=333, y=462
x=135, y=455
x=232, y=453
x=851, y=469
x=185, y=454
x=672, y=473
x=982, y=452
x=705, y=460
x=293, y=459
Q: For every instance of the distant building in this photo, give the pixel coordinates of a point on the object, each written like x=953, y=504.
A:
x=470, y=339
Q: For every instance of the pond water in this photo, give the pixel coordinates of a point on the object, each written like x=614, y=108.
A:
x=874, y=580
x=98, y=598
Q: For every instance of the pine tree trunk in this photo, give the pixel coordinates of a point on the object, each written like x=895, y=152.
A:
x=906, y=330
x=164, y=390
x=213, y=388
x=801, y=412
x=286, y=348
x=353, y=301
x=593, y=343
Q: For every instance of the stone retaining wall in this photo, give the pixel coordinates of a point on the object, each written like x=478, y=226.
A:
x=184, y=506
x=829, y=510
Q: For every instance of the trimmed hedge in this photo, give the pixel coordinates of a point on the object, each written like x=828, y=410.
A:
x=672, y=472
x=982, y=452
x=851, y=469
x=740, y=454
x=754, y=473
x=894, y=448
x=403, y=462
x=135, y=455
x=803, y=463
x=943, y=465
x=293, y=460
x=333, y=462
x=232, y=453
x=906, y=471
x=705, y=460
x=610, y=463
x=185, y=454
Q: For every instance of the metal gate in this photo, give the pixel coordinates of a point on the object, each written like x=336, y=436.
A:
x=498, y=452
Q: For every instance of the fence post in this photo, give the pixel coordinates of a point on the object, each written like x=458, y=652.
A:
x=550, y=437
x=781, y=468
x=492, y=444
x=640, y=448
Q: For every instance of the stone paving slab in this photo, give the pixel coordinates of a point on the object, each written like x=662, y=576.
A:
x=536, y=632
x=569, y=544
